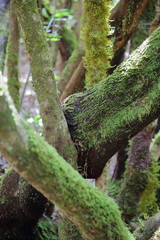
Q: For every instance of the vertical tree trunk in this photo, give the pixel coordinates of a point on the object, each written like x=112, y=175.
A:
x=4, y=15
x=136, y=175
x=12, y=58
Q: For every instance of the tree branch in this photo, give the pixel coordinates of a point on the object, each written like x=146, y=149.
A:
x=13, y=58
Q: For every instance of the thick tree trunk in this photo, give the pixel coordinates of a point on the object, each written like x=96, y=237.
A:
x=103, y=118
x=95, y=214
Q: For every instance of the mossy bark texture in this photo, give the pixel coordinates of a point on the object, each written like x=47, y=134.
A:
x=136, y=174
x=67, y=230
x=12, y=58
x=56, y=131
x=104, y=117
x=96, y=215
x=97, y=44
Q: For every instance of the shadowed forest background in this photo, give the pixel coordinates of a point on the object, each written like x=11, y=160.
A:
x=79, y=120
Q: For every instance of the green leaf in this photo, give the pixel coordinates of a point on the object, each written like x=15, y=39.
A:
x=44, y=13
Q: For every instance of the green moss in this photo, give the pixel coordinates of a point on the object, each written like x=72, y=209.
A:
x=133, y=185
x=67, y=230
x=2, y=198
x=45, y=230
x=97, y=45
x=148, y=201
x=113, y=188
x=156, y=235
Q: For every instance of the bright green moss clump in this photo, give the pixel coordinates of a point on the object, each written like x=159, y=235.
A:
x=45, y=230
x=148, y=202
x=97, y=45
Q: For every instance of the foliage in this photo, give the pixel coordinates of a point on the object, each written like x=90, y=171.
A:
x=45, y=230
x=113, y=188
x=53, y=22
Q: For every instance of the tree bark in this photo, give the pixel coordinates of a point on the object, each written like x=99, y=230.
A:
x=76, y=82
x=104, y=117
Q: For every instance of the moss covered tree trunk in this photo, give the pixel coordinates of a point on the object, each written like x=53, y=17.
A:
x=103, y=118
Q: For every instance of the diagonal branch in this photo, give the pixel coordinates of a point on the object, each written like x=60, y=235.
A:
x=95, y=214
